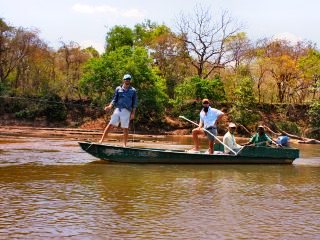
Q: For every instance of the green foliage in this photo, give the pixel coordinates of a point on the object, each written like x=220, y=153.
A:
x=290, y=127
x=119, y=36
x=2, y=88
x=49, y=106
x=104, y=74
x=54, y=109
x=244, y=116
x=199, y=88
x=92, y=51
x=244, y=94
x=314, y=114
x=146, y=32
x=189, y=109
x=29, y=113
x=310, y=64
x=190, y=92
x=314, y=120
x=243, y=110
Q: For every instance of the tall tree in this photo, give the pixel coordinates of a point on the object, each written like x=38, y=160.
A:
x=281, y=58
x=119, y=36
x=103, y=75
x=206, y=39
x=70, y=60
x=310, y=66
x=239, y=49
x=15, y=46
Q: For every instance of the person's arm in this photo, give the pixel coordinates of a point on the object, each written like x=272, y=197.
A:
x=219, y=117
x=132, y=114
x=270, y=141
x=200, y=124
x=113, y=101
x=266, y=141
x=251, y=141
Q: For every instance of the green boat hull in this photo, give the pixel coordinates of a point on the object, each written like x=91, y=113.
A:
x=248, y=155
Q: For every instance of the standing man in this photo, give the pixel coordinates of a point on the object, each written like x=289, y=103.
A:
x=229, y=140
x=208, y=119
x=125, y=102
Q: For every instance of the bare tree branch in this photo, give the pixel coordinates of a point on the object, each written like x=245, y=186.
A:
x=206, y=39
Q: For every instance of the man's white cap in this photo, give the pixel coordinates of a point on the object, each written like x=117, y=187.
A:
x=232, y=125
x=127, y=76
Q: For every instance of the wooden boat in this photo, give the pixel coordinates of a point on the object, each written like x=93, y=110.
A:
x=248, y=155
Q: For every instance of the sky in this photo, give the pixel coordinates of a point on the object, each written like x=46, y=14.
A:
x=87, y=21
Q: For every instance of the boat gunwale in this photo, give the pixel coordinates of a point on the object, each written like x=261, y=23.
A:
x=175, y=151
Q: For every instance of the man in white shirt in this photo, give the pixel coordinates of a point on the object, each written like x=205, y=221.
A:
x=208, y=119
x=229, y=140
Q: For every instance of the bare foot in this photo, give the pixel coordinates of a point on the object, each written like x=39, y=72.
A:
x=193, y=150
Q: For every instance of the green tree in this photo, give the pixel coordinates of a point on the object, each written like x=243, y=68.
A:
x=119, y=36
x=103, y=75
x=310, y=66
x=244, y=104
x=197, y=88
x=314, y=114
x=92, y=51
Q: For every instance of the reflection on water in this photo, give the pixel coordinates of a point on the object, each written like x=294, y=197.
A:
x=50, y=188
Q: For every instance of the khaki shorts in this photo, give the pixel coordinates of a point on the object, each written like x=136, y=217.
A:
x=213, y=131
x=120, y=116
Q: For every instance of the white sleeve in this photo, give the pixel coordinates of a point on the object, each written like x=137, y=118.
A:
x=226, y=141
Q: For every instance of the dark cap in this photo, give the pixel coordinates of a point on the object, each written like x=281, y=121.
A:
x=205, y=101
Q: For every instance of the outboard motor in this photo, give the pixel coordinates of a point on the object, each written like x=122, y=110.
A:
x=283, y=140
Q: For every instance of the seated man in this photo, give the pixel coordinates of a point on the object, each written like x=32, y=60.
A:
x=229, y=140
x=260, y=138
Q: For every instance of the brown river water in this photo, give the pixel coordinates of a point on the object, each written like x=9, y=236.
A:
x=50, y=188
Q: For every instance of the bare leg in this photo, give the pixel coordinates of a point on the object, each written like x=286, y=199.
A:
x=105, y=132
x=211, y=143
x=196, y=142
x=125, y=136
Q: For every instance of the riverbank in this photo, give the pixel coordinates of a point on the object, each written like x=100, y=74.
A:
x=93, y=135
x=69, y=133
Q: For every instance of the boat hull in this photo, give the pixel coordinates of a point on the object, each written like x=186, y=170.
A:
x=249, y=155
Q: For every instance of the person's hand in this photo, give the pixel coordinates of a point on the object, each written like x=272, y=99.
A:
x=107, y=108
x=132, y=116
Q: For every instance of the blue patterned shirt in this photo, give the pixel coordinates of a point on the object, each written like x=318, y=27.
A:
x=125, y=98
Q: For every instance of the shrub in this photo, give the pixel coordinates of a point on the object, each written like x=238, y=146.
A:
x=289, y=127
x=49, y=106
x=314, y=114
x=54, y=108
x=243, y=110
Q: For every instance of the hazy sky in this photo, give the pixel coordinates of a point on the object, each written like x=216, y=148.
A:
x=86, y=22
